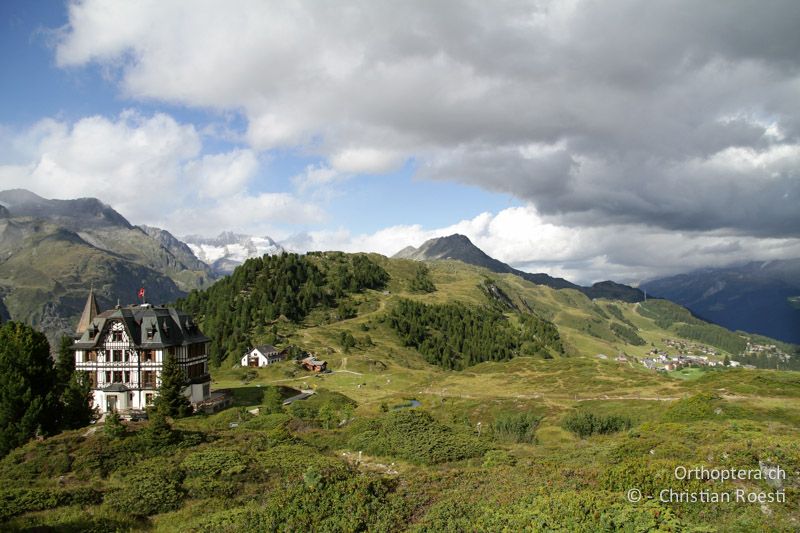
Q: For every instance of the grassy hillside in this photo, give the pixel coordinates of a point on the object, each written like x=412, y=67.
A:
x=392, y=442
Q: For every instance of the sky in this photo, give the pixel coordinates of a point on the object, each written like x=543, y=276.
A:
x=613, y=139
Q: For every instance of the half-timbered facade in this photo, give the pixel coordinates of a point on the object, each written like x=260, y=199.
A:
x=123, y=351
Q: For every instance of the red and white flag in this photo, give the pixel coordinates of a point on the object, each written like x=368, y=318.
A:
x=141, y=294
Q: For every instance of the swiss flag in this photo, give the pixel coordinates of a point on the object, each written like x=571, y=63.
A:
x=141, y=293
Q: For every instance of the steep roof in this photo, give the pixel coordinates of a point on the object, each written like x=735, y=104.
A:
x=90, y=311
x=148, y=327
x=266, y=348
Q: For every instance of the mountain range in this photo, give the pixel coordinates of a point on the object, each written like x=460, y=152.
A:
x=228, y=250
x=758, y=297
x=53, y=251
x=460, y=248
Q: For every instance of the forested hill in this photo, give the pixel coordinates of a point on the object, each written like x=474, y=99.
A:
x=446, y=313
x=264, y=289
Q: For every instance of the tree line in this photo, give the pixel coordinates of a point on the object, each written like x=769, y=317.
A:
x=287, y=285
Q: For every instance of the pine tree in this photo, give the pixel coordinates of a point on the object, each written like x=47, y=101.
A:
x=114, y=428
x=73, y=389
x=27, y=379
x=65, y=365
x=76, y=400
x=272, y=401
x=170, y=400
x=158, y=432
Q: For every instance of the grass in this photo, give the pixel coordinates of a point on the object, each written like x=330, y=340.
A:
x=687, y=373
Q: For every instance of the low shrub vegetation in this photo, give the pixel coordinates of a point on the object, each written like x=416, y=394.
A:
x=587, y=424
x=415, y=436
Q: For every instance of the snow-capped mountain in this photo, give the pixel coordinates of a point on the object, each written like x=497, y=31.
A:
x=228, y=250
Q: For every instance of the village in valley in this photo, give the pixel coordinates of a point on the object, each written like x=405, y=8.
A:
x=678, y=354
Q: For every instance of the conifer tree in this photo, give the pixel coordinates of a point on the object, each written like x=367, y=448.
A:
x=158, y=432
x=170, y=400
x=76, y=400
x=114, y=428
x=73, y=389
x=272, y=401
x=27, y=380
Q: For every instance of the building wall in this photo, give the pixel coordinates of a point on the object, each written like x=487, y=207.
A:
x=263, y=359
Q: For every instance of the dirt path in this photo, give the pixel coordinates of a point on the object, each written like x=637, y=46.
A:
x=561, y=397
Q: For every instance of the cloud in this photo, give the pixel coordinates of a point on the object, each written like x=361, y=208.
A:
x=681, y=115
x=151, y=169
x=220, y=175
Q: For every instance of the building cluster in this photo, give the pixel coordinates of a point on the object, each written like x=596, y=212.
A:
x=661, y=361
x=692, y=348
x=754, y=348
x=266, y=354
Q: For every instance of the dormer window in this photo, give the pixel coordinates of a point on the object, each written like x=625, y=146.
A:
x=165, y=328
x=151, y=331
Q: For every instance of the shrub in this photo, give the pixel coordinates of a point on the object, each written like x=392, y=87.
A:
x=267, y=421
x=704, y=406
x=293, y=461
x=203, y=487
x=494, y=458
x=515, y=427
x=587, y=424
x=557, y=511
x=40, y=459
x=361, y=503
x=153, y=487
x=214, y=462
x=114, y=428
x=414, y=435
x=17, y=501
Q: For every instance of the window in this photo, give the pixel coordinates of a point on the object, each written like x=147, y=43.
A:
x=91, y=356
x=127, y=356
x=147, y=356
x=206, y=390
x=196, y=350
x=116, y=336
x=148, y=398
x=127, y=377
x=108, y=377
x=116, y=356
x=149, y=379
x=195, y=370
x=92, y=379
x=117, y=376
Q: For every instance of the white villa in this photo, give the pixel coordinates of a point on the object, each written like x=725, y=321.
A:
x=263, y=355
x=123, y=352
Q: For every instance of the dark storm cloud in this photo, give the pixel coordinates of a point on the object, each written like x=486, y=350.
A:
x=679, y=115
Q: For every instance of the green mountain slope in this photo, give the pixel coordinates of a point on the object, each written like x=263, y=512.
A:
x=473, y=315
x=53, y=251
x=460, y=248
